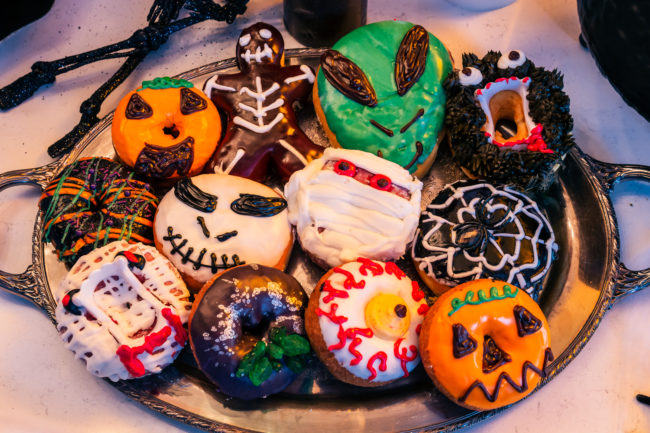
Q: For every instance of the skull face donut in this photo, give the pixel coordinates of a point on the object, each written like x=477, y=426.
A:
x=508, y=120
x=121, y=310
x=351, y=203
x=166, y=129
x=485, y=344
x=212, y=222
x=363, y=322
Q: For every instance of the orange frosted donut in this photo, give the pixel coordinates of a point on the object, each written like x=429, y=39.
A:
x=166, y=129
x=485, y=344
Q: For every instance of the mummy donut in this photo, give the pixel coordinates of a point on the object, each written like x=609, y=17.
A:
x=508, y=120
x=121, y=311
x=212, y=222
x=351, y=203
x=363, y=322
x=485, y=344
x=475, y=230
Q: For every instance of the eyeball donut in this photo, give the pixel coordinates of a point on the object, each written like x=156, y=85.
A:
x=166, y=129
x=363, y=321
x=121, y=311
x=485, y=344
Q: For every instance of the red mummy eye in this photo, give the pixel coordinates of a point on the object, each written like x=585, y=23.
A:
x=345, y=168
x=381, y=182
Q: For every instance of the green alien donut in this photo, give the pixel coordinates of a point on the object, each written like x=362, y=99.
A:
x=379, y=89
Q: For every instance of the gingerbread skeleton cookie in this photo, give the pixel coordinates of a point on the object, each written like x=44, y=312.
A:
x=258, y=102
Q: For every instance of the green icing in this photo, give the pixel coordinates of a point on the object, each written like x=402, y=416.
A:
x=373, y=48
x=457, y=303
x=165, y=83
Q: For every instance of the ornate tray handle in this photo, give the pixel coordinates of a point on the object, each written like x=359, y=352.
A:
x=627, y=281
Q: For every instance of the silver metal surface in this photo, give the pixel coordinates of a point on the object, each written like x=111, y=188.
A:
x=583, y=283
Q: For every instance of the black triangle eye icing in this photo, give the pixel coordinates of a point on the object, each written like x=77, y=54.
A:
x=191, y=102
x=348, y=78
x=527, y=323
x=411, y=57
x=463, y=343
x=137, y=108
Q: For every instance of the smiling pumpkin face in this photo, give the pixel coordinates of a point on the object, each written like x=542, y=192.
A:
x=166, y=129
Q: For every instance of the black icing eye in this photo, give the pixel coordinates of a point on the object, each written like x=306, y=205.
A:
x=470, y=76
x=135, y=260
x=463, y=343
x=513, y=59
x=137, y=108
x=191, y=195
x=258, y=206
x=527, y=323
x=493, y=356
x=191, y=102
x=69, y=305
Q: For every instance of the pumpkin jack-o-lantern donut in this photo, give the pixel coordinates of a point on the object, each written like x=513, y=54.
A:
x=485, y=344
x=166, y=129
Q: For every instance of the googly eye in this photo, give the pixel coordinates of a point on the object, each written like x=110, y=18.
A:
x=265, y=33
x=345, y=168
x=513, y=59
x=381, y=182
x=245, y=40
x=470, y=76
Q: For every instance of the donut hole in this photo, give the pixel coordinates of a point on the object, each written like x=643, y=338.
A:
x=508, y=116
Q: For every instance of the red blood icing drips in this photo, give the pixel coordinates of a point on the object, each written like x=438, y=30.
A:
x=393, y=269
x=129, y=355
x=130, y=256
x=535, y=142
x=416, y=293
x=369, y=265
x=350, y=282
x=175, y=322
x=332, y=292
x=403, y=354
x=422, y=310
x=342, y=337
x=358, y=357
x=331, y=314
x=382, y=364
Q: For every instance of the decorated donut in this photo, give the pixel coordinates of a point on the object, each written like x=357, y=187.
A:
x=351, y=203
x=166, y=129
x=508, y=120
x=485, y=344
x=379, y=89
x=121, y=311
x=212, y=222
x=258, y=101
x=363, y=322
x=247, y=332
x=94, y=201
x=474, y=230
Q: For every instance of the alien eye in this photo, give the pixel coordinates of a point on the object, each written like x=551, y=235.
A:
x=513, y=59
x=470, y=76
x=265, y=33
x=244, y=40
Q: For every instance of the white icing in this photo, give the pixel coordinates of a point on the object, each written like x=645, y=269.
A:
x=238, y=155
x=123, y=308
x=259, y=110
x=353, y=308
x=245, y=40
x=483, y=97
x=294, y=151
x=474, y=77
x=505, y=62
x=212, y=84
x=358, y=219
x=258, y=55
x=261, y=240
x=265, y=33
x=307, y=74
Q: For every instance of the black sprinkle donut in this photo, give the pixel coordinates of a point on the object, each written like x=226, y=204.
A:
x=508, y=120
x=242, y=307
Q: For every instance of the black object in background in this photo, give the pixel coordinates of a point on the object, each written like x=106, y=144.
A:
x=617, y=32
x=320, y=23
x=16, y=14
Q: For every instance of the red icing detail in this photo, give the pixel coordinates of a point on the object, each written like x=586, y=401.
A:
x=487, y=86
x=342, y=337
x=479, y=92
x=487, y=134
x=403, y=354
x=130, y=257
x=513, y=78
x=331, y=314
x=374, y=182
x=129, y=355
x=393, y=269
x=353, y=350
x=382, y=364
x=498, y=80
x=418, y=328
x=175, y=322
x=351, y=170
x=422, y=310
x=66, y=300
x=367, y=264
x=535, y=142
x=332, y=292
x=366, y=332
x=350, y=282
x=416, y=293
x=526, y=79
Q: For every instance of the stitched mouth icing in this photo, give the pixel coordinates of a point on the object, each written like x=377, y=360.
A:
x=212, y=261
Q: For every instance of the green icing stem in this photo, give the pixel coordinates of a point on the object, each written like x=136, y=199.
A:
x=165, y=83
x=457, y=303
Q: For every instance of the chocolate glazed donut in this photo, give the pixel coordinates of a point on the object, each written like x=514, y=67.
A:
x=233, y=313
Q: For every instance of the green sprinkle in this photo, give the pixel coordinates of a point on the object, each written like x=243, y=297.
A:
x=165, y=83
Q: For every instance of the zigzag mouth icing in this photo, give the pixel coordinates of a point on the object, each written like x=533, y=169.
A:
x=508, y=122
x=178, y=244
x=258, y=55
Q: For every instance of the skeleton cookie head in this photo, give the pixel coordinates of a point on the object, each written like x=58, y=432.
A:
x=350, y=204
x=213, y=222
x=259, y=43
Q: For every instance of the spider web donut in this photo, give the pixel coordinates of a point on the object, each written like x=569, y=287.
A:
x=475, y=230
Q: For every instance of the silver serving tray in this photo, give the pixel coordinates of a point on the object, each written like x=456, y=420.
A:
x=585, y=281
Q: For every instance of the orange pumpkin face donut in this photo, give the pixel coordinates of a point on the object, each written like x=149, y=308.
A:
x=166, y=129
x=485, y=344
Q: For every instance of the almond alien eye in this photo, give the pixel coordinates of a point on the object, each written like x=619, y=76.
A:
x=470, y=76
x=513, y=59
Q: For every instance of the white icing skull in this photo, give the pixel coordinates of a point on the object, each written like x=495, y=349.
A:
x=212, y=222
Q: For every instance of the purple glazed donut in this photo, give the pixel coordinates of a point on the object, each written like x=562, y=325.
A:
x=248, y=314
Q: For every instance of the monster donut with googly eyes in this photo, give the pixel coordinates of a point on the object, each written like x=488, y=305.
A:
x=258, y=102
x=213, y=222
x=508, y=120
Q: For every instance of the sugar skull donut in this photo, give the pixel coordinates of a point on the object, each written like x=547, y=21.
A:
x=212, y=222
x=121, y=310
x=485, y=344
x=379, y=89
x=166, y=129
x=508, y=120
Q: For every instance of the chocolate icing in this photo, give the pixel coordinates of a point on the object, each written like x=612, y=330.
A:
x=411, y=58
x=157, y=162
x=463, y=343
x=493, y=356
x=187, y=192
x=347, y=78
x=191, y=102
x=137, y=108
x=235, y=312
x=527, y=323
